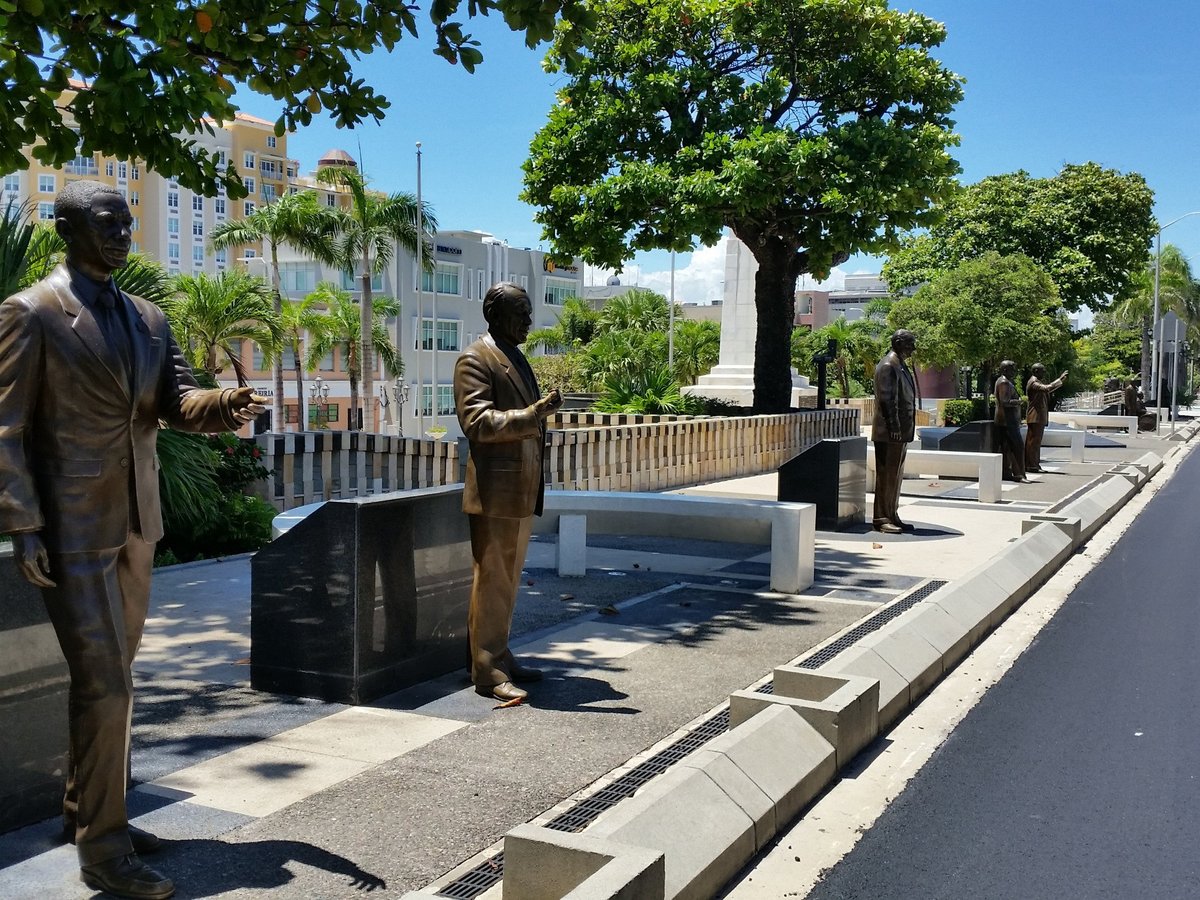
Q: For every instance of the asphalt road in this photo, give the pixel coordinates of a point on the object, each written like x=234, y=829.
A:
x=1078, y=774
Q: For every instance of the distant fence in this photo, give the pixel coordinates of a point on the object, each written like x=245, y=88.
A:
x=867, y=406
x=1096, y=400
x=584, y=451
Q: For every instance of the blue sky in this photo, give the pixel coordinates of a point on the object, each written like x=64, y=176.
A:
x=1048, y=82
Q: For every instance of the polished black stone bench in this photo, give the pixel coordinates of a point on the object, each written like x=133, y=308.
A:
x=33, y=704
x=362, y=597
x=832, y=474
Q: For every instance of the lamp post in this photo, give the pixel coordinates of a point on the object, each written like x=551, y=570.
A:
x=420, y=342
x=397, y=393
x=1156, y=356
x=318, y=395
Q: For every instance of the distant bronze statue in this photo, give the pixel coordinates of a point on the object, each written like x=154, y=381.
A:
x=503, y=415
x=892, y=427
x=1037, y=395
x=86, y=373
x=1135, y=405
x=1008, y=423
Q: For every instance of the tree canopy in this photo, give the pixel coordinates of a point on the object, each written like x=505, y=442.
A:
x=158, y=71
x=812, y=129
x=986, y=310
x=1089, y=227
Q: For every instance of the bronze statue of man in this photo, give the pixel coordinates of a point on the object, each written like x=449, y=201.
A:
x=1037, y=396
x=86, y=373
x=503, y=415
x=892, y=427
x=1008, y=423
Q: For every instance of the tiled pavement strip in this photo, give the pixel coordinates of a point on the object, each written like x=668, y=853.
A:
x=260, y=793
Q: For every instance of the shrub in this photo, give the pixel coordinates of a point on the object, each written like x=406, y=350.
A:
x=958, y=412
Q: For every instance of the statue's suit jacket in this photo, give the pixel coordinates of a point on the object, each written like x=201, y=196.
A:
x=504, y=472
x=895, y=400
x=74, y=425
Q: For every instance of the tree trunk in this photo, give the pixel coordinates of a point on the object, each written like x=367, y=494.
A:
x=1147, y=365
x=775, y=305
x=279, y=425
x=301, y=419
x=366, y=359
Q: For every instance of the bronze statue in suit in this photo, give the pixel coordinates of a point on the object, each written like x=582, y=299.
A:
x=86, y=373
x=1037, y=395
x=503, y=415
x=892, y=427
x=1007, y=423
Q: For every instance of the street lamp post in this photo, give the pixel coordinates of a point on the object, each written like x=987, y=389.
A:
x=318, y=394
x=1156, y=356
x=397, y=393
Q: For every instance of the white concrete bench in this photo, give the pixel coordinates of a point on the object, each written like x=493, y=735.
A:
x=1094, y=420
x=789, y=528
x=1062, y=437
x=986, y=468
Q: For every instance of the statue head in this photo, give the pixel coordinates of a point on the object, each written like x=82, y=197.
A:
x=904, y=342
x=508, y=312
x=1008, y=368
x=94, y=221
x=1037, y=370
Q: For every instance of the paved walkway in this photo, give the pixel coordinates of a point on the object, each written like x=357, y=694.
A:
x=260, y=792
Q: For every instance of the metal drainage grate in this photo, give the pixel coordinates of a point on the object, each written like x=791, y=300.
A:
x=586, y=811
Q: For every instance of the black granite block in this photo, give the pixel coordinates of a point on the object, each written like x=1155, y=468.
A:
x=33, y=704
x=973, y=437
x=363, y=597
x=832, y=474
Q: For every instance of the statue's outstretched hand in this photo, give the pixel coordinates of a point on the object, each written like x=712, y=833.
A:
x=246, y=405
x=32, y=558
x=549, y=404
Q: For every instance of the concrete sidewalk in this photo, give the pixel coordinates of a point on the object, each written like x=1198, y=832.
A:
x=300, y=798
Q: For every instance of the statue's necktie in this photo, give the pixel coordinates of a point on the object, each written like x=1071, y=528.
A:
x=115, y=329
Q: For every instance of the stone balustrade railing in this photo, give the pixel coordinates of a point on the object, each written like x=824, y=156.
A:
x=585, y=451
x=866, y=405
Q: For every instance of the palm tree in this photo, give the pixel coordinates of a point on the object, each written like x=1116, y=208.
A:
x=295, y=219
x=1176, y=290
x=208, y=313
x=297, y=318
x=16, y=234
x=340, y=326
x=636, y=310
x=697, y=348
x=576, y=326
x=367, y=235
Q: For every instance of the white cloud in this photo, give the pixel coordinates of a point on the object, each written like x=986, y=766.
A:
x=702, y=279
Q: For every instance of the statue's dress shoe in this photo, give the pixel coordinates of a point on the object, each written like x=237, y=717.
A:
x=505, y=691
x=889, y=528
x=127, y=876
x=904, y=526
x=143, y=841
x=522, y=673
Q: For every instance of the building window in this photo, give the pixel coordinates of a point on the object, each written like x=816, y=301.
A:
x=352, y=282
x=249, y=185
x=259, y=361
x=321, y=414
x=12, y=184
x=197, y=203
x=327, y=362
x=291, y=171
x=173, y=225
x=271, y=141
x=445, y=399
x=219, y=206
x=298, y=277
x=46, y=184
x=108, y=169
x=135, y=247
x=248, y=160
x=198, y=254
x=83, y=165
x=267, y=168
x=122, y=170
x=559, y=289
x=268, y=192
x=447, y=279
x=248, y=208
x=173, y=270
x=173, y=252
x=134, y=172
x=250, y=254
x=172, y=199
x=198, y=228
x=134, y=200
x=46, y=212
x=330, y=200
x=448, y=331
x=220, y=256
x=220, y=157
x=137, y=223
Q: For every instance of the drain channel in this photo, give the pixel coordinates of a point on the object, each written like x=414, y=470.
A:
x=585, y=811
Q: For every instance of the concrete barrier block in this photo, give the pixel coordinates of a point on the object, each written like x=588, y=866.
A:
x=910, y=655
x=942, y=631
x=783, y=754
x=1147, y=463
x=894, y=693
x=571, y=550
x=843, y=708
x=974, y=601
x=543, y=864
x=1132, y=474
x=793, y=547
x=1097, y=506
x=704, y=836
x=1071, y=526
x=740, y=789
